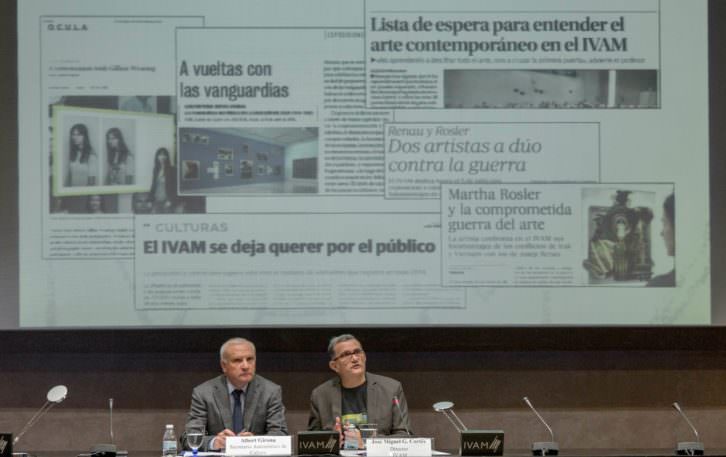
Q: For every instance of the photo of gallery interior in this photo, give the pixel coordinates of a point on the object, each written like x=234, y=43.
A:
x=551, y=89
x=234, y=161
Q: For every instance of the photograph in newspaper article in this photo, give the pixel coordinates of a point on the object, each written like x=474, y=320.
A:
x=109, y=160
x=236, y=161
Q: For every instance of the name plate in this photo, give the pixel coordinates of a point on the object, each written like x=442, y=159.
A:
x=6, y=444
x=258, y=445
x=482, y=442
x=398, y=447
x=317, y=442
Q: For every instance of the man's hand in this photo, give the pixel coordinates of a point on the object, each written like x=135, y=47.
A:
x=339, y=428
x=220, y=441
x=352, y=435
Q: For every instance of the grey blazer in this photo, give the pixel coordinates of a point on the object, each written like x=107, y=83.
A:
x=264, y=413
x=326, y=403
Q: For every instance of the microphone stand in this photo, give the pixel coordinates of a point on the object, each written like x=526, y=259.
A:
x=543, y=447
x=36, y=417
x=55, y=395
x=688, y=447
x=447, y=409
x=397, y=403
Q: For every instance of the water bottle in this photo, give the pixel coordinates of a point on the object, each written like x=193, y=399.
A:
x=168, y=445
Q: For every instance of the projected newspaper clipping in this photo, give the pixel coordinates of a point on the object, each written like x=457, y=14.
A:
x=408, y=163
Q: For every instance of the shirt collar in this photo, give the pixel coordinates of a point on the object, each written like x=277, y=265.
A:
x=231, y=388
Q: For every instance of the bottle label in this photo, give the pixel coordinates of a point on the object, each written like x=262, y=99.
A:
x=169, y=447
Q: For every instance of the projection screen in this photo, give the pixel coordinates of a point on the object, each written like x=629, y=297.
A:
x=340, y=162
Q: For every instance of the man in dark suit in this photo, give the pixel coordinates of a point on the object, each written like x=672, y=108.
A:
x=355, y=396
x=238, y=402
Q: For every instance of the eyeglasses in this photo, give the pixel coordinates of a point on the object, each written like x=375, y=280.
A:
x=348, y=354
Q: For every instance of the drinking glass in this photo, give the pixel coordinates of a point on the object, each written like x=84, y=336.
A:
x=194, y=440
x=368, y=431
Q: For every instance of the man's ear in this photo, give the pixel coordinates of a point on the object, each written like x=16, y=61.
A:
x=333, y=364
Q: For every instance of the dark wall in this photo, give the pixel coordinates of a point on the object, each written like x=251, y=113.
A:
x=601, y=399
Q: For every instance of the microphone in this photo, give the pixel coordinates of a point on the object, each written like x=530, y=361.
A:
x=447, y=409
x=106, y=449
x=688, y=447
x=397, y=403
x=55, y=395
x=543, y=447
x=110, y=417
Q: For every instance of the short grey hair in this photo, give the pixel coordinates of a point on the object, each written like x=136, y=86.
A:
x=339, y=339
x=233, y=341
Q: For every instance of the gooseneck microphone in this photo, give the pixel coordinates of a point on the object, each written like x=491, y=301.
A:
x=688, y=447
x=543, y=447
x=55, y=395
x=110, y=418
x=106, y=449
x=397, y=403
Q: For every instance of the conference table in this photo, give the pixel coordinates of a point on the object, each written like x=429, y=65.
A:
x=453, y=453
